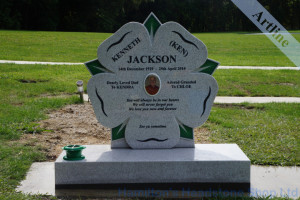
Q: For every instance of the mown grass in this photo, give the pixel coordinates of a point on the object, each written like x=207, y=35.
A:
x=267, y=133
x=242, y=82
x=24, y=91
x=232, y=82
x=227, y=48
x=243, y=49
x=50, y=46
x=24, y=99
x=15, y=157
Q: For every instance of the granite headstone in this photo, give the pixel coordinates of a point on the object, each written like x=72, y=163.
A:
x=152, y=84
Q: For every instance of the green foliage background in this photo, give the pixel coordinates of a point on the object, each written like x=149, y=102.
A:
x=109, y=15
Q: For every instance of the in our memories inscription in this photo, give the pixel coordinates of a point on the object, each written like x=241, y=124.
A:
x=152, y=85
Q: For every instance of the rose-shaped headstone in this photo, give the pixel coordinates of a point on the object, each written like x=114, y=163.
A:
x=152, y=85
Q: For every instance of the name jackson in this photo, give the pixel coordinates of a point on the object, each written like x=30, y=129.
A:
x=152, y=59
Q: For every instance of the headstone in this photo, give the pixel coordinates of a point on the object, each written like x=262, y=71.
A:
x=152, y=85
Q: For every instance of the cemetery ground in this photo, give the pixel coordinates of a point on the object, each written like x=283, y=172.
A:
x=40, y=111
x=267, y=133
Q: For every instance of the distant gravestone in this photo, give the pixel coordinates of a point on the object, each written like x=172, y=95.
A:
x=152, y=85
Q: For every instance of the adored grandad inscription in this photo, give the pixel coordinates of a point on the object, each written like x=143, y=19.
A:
x=152, y=85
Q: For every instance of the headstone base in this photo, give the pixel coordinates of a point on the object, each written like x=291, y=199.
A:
x=205, y=167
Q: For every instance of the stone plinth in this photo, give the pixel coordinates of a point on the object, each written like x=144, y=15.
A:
x=206, y=167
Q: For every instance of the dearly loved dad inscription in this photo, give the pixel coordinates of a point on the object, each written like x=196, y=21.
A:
x=152, y=85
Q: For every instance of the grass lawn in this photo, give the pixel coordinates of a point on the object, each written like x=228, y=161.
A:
x=26, y=97
x=227, y=48
x=55, y=80
x=267, y=133
x=244, y=50
x=242, y=82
